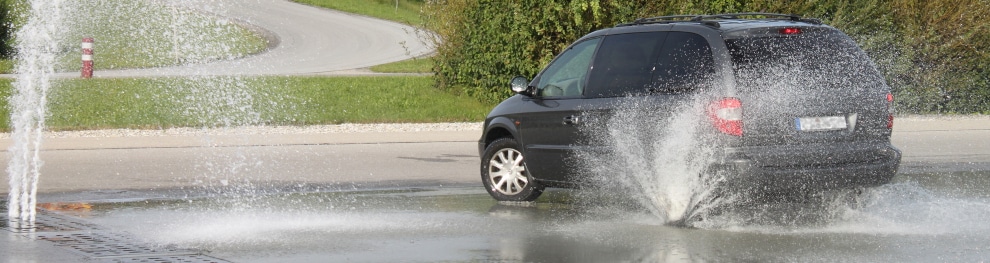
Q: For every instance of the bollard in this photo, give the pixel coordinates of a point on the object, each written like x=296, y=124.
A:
x=87, y=57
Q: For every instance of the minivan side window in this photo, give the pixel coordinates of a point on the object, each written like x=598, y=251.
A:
x=685, y=64
x=624, y=64
x=565, y=76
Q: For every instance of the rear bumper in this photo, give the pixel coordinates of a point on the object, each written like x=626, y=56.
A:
x=858, y=166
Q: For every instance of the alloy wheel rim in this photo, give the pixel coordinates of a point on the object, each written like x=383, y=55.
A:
x=507, y=172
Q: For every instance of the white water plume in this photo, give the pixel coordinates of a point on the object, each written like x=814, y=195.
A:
x=49, y=40
x=37, y=48
x=909, y=208
x=657, y=157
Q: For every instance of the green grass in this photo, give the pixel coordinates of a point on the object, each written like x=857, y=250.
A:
x=6, y=66
x=141, y=34
x=407, y=11
x=155, y=103
x=415, y=65
x=78, y=104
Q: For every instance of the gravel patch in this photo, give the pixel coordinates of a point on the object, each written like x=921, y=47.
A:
x=357, y=128
x=941, y=117
x=247, y=130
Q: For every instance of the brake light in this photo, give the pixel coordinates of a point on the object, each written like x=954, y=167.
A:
x=726, y=115
x=890, y=110
x=790, y=31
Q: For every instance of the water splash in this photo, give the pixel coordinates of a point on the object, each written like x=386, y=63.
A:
x=149, y=34
x=910, y=208
x=657, y=155
x=37, y=49
x=47, y=44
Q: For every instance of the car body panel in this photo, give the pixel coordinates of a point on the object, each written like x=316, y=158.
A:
x=773, y=152
x=805, y=167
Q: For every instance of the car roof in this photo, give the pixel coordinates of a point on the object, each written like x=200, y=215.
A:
x=729, y=25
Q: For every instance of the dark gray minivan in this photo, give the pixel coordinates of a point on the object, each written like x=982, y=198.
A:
x=794, y=103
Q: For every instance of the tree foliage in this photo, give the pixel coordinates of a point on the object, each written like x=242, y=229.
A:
x=933, y=53
x=6, y=29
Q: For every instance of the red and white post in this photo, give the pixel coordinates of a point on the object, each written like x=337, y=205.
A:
x=87, y=57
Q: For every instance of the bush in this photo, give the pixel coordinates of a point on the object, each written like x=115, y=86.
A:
x=933, y=53
x=943, y=60
x=6, y=29
x=482, y=44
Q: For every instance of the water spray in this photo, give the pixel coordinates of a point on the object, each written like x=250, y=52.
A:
x=37, y=46
x=657, y=156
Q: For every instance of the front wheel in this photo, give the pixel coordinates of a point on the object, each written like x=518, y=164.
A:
x=504, y=173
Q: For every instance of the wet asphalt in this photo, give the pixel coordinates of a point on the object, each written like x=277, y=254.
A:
x=920, y=217
x=935, y=210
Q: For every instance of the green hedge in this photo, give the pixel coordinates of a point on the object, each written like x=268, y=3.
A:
x=6, y=29
x=933, y=53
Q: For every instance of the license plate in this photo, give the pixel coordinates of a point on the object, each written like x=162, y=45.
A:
x=828, y=123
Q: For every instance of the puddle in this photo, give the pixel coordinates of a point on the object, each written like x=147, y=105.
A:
x=918, y=218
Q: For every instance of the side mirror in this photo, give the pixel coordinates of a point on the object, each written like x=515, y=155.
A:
x=520, y=85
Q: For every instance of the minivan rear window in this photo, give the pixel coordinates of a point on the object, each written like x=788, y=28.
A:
x=818, y=58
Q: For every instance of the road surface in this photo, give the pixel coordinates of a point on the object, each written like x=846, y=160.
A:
x=929, y=144
x=385, y=196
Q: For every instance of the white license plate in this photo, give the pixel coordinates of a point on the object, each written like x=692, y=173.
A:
x=820, y=123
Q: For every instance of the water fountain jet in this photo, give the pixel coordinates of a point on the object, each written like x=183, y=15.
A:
x=49, y=37
x=37, y=46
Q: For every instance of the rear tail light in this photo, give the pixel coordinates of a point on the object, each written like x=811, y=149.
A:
x=790, y=31
x=726, y=115
x=890, y=110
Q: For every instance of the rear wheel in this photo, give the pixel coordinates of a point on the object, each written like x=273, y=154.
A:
x=505, y=175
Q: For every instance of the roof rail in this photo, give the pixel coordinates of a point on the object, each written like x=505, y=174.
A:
x=661, y=19
x=707, y=19
x=737, y=15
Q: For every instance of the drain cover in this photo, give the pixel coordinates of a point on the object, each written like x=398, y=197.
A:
x=106, y=244
x=102, y=245
x=76, y=238
x=50, y=222
x=169, y=259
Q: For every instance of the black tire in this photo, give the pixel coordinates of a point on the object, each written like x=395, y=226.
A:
x=505, y=174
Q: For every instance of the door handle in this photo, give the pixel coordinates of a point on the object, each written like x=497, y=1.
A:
x=572, y=120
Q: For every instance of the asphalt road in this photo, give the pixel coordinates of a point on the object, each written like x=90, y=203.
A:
x=434, y=209
x=943, y=144
x=305, y=40
x=146, y=163
x=163, y=162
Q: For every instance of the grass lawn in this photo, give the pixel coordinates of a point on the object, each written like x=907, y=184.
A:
x=6, y=66
x=155, y=103
x=219, y=101
x=142, y=34
x=415, y=65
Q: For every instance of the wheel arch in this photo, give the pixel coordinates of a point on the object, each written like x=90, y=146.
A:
x=497, y=128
